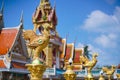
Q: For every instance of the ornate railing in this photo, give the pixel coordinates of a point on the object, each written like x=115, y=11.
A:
x=80, y=73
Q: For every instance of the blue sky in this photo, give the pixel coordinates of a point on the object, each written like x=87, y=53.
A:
x=94, y=22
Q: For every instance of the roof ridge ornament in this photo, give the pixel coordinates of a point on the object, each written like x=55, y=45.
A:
x=21, y=18
x=55, y=4
x=2, y=8
x=1, y=16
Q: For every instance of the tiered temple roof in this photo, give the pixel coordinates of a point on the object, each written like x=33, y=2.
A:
x=2, y=65
x=70, y=54
x=13, y=52
x=7, y=38
x=78, y=52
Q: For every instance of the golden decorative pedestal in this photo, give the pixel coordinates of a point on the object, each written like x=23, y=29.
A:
x=109, y=77
x=36, y=71
x=70, y=74
x=101, y=77
x=86, y=78
x=89, y=74
x=89, y=77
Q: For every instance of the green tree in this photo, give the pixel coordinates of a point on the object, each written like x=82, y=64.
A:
x=86, y=52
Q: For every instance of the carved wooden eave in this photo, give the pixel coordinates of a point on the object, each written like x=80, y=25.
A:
x=56, y=41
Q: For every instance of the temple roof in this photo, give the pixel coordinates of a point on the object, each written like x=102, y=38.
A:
x=18, y=65
x=69, y=51
x=77, y=54
x=7, y=38
x=2, y=65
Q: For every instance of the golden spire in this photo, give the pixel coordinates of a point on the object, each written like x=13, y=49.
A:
x=45, y=4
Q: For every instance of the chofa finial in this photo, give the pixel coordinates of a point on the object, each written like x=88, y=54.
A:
x=21, y=18
x=2, y=7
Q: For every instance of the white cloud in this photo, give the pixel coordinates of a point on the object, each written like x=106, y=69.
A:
x=107, y=41
x=107, y=30
x=80, y=45
x=99, y=21
x=117, y=14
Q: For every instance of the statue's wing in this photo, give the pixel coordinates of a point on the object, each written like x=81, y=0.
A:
x=86, y=59
x=105, y=69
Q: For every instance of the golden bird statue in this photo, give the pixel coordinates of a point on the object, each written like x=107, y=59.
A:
x=109, y=71
x=89, y=64
x=37, y=42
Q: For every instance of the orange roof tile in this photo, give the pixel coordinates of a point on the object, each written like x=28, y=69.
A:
x=77, y=54
x=18, y=65
x=68, y=52
x=7, y=37
x=76, y=68
x=2, y=65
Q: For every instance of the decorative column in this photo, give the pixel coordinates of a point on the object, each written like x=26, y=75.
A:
x=89, y=75
x=109, y=77
x=36, y=71
x=49, y=55
x=101, y=77
x=70, y=74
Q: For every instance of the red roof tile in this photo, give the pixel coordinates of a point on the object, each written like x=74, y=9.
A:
x=76, y=68
x=18, y=65
x=7, y=37
x=77, y=54
x=2, y=65
x=69, y=52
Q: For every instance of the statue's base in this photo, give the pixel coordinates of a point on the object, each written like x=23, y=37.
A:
x=101, y=77
x=89, y=77
x=36, y=71
x=69, y=74
x=86, y=78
